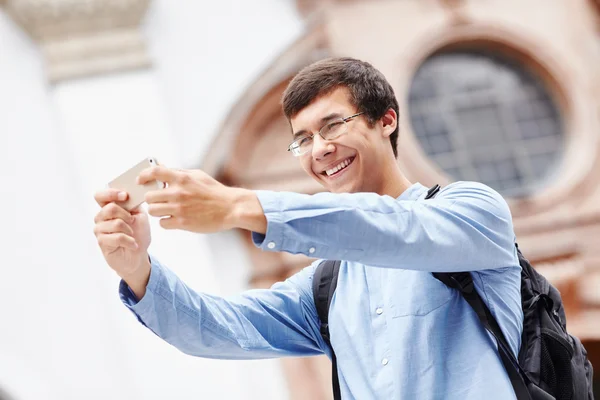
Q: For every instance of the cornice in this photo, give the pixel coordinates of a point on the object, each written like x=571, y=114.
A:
x=84, y=37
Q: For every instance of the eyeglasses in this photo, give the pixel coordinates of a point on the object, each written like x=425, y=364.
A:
x=332, y=130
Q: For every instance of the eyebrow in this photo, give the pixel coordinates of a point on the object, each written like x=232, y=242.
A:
x=323, y=121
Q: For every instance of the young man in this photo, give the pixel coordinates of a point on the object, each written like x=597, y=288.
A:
x=398, y=332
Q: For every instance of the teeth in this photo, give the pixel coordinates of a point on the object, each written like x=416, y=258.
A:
x=338, y=167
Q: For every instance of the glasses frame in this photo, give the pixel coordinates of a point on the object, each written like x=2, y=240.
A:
x=345, y=120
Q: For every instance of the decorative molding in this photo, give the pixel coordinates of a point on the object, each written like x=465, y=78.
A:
x=309, y=8
x=84, y=37
x=456, y=11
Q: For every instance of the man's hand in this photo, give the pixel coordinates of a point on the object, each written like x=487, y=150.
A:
x=196, y=202
x=124, y=238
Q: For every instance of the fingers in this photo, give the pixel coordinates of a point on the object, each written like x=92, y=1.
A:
x=171, y=223
x=169, y=195
x=162, y=209
x=109, y=195
x=112, y=226
x=158, y=173
x=112, y=241
x=113, y=211
x=160, y=196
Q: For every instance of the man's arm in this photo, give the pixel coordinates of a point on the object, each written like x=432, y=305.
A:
x=275, y=322
x=468, y=226
x=138, y=280
x=247, y=212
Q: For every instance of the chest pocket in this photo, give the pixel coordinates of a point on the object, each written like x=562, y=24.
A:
x=416, y=293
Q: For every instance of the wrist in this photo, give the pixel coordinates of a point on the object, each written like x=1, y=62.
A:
x=246, y=212
x=138, y=279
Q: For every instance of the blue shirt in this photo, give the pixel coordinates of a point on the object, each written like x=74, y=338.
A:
x=398, y=333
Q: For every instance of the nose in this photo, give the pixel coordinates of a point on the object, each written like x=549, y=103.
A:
x=321, y=147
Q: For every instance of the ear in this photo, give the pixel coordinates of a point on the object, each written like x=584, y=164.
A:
x=389, y=122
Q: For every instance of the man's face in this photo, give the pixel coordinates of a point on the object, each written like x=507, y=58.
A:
x=352, y=162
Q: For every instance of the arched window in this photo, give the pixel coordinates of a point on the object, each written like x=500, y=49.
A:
x=484, y=117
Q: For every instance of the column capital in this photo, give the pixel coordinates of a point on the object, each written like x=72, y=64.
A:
x=84, y=37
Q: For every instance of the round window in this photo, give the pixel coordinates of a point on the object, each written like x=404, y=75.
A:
x=485, y=118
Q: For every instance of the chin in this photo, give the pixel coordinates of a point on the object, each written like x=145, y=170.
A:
x=347, y=188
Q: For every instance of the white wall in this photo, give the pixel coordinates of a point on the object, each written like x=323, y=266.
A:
x=64, y=333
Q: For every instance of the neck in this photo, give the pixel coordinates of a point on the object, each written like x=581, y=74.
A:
x=393, y=181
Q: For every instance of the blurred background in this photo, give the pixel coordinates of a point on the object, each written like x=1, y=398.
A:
x=506, y=92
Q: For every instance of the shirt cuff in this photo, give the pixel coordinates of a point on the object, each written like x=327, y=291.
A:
x=140, y=307
x=271, y=205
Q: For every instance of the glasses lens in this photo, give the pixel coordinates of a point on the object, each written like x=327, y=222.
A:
x=301, y=145
x=333, y=129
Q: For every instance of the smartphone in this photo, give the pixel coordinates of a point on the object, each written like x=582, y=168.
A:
x=127, y=183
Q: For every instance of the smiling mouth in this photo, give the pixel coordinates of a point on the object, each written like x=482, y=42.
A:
x=338, y=168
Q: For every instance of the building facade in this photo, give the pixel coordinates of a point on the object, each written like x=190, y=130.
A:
x=503, y=92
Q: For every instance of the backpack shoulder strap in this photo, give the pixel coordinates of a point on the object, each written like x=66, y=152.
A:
x=323, y=286
x=463, y=282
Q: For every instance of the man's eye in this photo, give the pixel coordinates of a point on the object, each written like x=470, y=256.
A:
x=333, y=127
x=303, y=141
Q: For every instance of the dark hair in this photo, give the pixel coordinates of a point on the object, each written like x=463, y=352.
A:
x=370, y=92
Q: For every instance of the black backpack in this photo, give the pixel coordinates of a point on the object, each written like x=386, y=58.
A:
x=552, y=364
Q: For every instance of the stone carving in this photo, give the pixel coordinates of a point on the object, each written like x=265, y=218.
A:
x=84, y=37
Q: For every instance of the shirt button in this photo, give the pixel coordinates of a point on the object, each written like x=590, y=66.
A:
x=311, y=250
x=379, y=311
x=385, y=361
x=271, y=245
